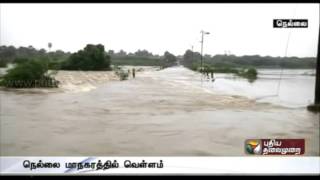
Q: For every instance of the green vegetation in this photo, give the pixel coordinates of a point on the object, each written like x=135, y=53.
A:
x=61, y=59
x=263, y=62
x=248, y=73
x=191, y=58
x=3, y=64
x=31, y=65
x=92, y=57
x=28, y=74
x=168, y=60
x=143, y=58
x=135, y=61
x=243, y=66
x=10, y=54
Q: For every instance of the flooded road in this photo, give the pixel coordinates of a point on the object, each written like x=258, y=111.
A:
x=159, y=113
x=289, y=87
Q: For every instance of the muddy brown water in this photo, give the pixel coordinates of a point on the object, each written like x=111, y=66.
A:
x=151, y=115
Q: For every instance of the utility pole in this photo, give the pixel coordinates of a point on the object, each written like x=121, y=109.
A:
x=316, y=106
x=202, y=34
x=49, y=47
x=317, y=91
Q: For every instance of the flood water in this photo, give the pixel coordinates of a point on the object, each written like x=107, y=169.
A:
x=288, y=87
x=171, y=112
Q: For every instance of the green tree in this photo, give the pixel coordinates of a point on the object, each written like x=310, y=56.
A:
x=191, y=59
x=169, y=59
x=27, y=74
x=92, y=57
x=143, y=53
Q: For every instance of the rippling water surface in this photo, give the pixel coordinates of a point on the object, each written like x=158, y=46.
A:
x=168, y=112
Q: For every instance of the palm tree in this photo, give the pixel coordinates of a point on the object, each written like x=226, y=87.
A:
x=49, y=45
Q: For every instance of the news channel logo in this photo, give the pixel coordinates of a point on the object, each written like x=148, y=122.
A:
x=275, y=146
x=253, y=146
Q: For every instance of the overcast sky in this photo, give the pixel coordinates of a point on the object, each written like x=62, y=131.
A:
x=242, y=29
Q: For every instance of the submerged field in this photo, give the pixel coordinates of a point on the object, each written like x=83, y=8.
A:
x=168, y=112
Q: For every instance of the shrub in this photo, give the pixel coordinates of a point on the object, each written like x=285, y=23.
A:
x=3, y=63
x=250, y=74
x=29, y=74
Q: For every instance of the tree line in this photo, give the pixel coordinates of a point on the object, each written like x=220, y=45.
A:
x=190, y=59
x=193, y=59
x=85, y=59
